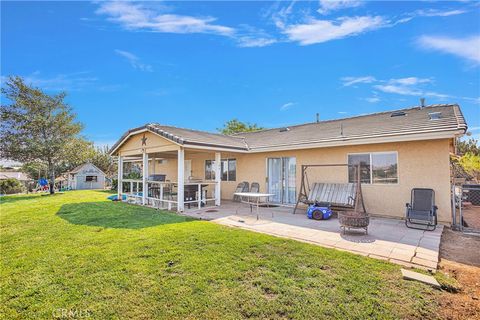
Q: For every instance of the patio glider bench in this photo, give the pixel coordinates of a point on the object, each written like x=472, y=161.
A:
x=338, y=195
x=347, y=199
x=421, y=213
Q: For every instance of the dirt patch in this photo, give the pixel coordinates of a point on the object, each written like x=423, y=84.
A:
x=460, y=259
x=471, y=217
x=458, y=247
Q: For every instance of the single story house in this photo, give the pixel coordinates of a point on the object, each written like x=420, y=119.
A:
x=86, y=176
x=20, y=176
x=399, y=150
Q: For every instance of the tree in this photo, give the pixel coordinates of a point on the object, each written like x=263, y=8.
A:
x=36, y=126
x=469, y=146
x=35, y=170
x=104, y=161
x=471, y=164
x=236, y=126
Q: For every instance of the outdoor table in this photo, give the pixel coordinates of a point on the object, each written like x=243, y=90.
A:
x=253, y=198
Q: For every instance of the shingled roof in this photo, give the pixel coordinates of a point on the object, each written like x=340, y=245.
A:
x=415, y=123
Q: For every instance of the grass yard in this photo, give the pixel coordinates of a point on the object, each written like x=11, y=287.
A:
x=81, y=253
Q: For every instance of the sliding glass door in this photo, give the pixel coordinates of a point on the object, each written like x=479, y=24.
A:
x=281, y=174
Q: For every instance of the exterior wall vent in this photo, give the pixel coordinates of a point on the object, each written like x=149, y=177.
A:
x=398, y=114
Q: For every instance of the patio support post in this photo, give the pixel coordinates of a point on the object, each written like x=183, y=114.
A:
x=144, y=178
x=120, y=178
x=181, y=180
x=218, y=177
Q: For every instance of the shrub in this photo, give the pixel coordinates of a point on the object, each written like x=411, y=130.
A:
x=471, y=164
x=10, y=186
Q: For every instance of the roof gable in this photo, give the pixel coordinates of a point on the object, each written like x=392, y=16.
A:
x=84, y=167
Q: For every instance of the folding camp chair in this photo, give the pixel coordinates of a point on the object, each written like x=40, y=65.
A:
x=255, y=187
x=241, y=187
x=421, y=213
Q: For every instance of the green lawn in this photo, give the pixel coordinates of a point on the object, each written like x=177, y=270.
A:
x=80, y=252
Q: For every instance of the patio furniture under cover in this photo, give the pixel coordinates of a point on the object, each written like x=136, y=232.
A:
x=421, y=212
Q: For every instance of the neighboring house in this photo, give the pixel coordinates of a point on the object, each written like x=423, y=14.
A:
x=86, y=176
x=20, y=176
x=400, y=150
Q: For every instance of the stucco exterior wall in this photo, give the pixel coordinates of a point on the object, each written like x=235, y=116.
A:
x=153, y=143
x=421, y=164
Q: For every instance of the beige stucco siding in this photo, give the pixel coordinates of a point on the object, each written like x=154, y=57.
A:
x=153, y=143
x=420, y=164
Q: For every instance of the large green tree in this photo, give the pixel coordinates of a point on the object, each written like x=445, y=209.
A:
x=103, y=160
x=237, y=126
x=36, y=126
x=468, y=146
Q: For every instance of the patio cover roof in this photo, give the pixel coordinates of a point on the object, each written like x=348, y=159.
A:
x=417, y=123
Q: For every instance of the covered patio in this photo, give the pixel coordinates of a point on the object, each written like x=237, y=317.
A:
x=387, y=239
x=162, y=186
x=175, y=168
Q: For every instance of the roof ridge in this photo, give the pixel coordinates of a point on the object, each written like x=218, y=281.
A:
x=353, y=117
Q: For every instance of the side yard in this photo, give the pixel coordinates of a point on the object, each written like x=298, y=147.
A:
x=77, y=252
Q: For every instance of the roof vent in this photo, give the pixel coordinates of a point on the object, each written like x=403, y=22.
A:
x=435, y=115
x=398, y=114
x=285, y=129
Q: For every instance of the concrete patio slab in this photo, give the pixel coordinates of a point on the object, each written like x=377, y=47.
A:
x=387, y=239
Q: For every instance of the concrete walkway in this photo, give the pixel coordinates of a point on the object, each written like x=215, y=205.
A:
x=387, y=239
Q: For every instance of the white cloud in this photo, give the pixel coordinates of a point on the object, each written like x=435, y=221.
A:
x=438, y=13
x=410, y=81
x=134, y=61
x=408, y=86
x=318, y=31
x=135, y=16
x=474, y=100
x=348, y=81
x=253, y=41
x=287, y=106
x=403, y=90
x=466, y=48
x=61, y=82
x=372, y=99
x=409, y=89
x=327, y=6
x=248, y=36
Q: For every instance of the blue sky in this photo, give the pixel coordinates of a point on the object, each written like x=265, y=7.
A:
x=198, y=64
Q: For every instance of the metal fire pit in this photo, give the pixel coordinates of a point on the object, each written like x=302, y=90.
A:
x=353, y=220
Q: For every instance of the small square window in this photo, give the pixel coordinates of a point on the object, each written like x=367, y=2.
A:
x=91, y=178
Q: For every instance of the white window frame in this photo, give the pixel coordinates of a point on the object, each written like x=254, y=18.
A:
x=371, y=167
